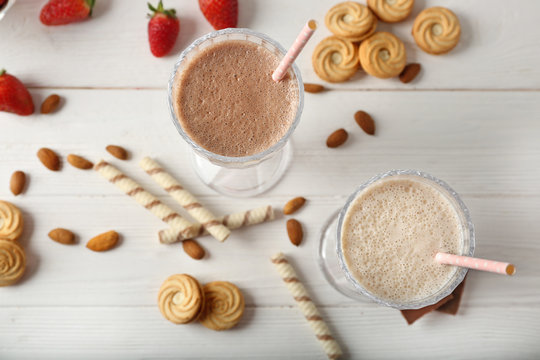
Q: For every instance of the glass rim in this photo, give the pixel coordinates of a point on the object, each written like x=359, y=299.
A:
x=233, y=159
x=466, y=223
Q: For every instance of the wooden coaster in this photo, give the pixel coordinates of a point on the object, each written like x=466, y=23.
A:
x=452, y=306
x=448, y=305
x=412, y=315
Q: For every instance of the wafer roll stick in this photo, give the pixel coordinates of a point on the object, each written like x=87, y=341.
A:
x=231, y=221
x=186, y=199
x=143, y=197
x=304, y=302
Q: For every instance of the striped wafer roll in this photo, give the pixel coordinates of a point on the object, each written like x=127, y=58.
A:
x=231, y=221
x=186, y=199
x=304, y=302
x=149, y=201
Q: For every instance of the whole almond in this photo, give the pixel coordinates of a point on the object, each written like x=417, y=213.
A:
x=79, y=162
x=193, y=249
x=409, y=72
x=62, y=236
x=293, y=205
x=50, y=104
x=103, y=242
x=117, y=151
x=49, y=159
x=337, y=138
x=313, y=88
x=295, y=232
x=365, y=121
x=17, y=182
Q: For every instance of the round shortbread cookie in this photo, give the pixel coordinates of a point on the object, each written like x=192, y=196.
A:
x=12, y=262
x=382, y=55
x=436, y=30
x=391, y=11
x=224, y=305
x=335, y=59
x=180, y=299
x=11, y=221
x=351, y=20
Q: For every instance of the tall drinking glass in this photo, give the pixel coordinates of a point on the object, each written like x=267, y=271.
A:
x=241, y=176
x=330, y=253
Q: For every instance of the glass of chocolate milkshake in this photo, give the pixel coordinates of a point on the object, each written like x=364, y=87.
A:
x=235, y=118
x=382, y=243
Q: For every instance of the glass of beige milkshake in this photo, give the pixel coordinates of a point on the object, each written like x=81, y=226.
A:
x=235, y=118
x=388, y=233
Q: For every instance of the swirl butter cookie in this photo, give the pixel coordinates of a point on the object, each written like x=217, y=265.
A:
x=180, y=299
x=224, y=305
x=436, y=30
x=391, y=11
x=11, y=221
x=382, y=55
x=12, y=262
x=335, y=59
x=351, y=21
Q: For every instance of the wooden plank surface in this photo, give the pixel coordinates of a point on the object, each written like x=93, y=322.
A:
x=472, y=118
x=499, y=49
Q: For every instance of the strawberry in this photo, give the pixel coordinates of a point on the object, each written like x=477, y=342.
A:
x=61, y=12
x=14, y=97
x=2, y=3
x=163, y=29
x=221, y=14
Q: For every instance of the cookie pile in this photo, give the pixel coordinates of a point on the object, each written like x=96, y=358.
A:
x=218, y=305
x=355, y=44
x=12, y=255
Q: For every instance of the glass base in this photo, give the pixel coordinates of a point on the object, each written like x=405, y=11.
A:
x=244, y=182
x=328, y=260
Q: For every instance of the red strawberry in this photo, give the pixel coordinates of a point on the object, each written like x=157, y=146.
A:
x=14, y=97
x=221, y=14
x=61, y=12
x=163, y=29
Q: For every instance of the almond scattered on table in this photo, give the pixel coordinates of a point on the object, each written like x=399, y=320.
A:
x=17, y=182
x=295, y=232
x=50, y=104
x=293, y=205
x=193, y=249
x=337, y=138
x=313, y=88
x=49, y=159
x=409, y=72
x=365, y=121
x=79, y=162
x=118, y=152
x=103, y=242
x=62, y=236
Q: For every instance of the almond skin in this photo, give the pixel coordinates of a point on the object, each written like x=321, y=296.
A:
x=117, y=151
x=193, y=249
x=50, y=104
x=17, y=182
x=293, y=205
x=409, y=72
x=103, y=242
x=365, y=121
x=79, y=162
x=295, y=232
x=62, y=236
x=313, y=88
x=49, y=159
x=337, y=138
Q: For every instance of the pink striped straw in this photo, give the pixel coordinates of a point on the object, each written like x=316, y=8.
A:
x=476, y=264
x=295, y=49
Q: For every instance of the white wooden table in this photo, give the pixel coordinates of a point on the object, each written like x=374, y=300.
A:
x=472, y=118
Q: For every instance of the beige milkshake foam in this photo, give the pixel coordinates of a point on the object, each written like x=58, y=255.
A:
x=391, y=233
x=226, y=101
